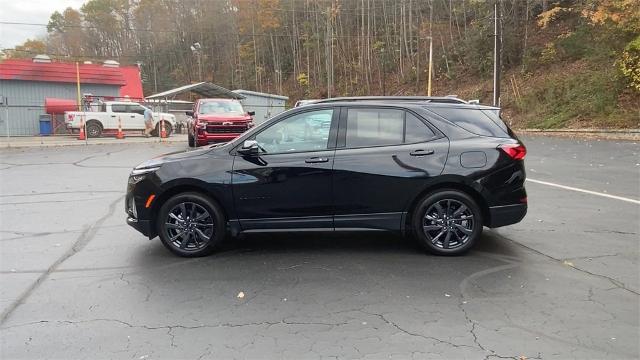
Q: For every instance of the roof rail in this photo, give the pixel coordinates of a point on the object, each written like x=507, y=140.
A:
x=431, y=99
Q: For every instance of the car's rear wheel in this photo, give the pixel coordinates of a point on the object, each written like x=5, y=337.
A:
x=191, y=225
x=447, y=222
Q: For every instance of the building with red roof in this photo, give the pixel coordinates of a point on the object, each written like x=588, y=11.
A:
x=26, y=83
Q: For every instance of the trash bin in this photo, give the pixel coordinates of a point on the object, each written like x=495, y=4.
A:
x=45, y=125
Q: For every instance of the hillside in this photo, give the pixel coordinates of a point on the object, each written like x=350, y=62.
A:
x=566, y=63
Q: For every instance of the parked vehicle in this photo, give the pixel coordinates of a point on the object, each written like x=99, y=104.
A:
x=217, y=120
x=131, y=116
x=434, y=169
x=305, y=102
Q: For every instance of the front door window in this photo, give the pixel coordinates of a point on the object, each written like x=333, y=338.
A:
x=304, y=132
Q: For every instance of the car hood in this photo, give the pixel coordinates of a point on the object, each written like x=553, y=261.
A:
x=171, y=157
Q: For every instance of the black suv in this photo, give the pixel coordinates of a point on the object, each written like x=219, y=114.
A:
x=436, y=168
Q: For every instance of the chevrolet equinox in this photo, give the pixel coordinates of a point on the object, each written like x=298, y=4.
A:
x=437, y=169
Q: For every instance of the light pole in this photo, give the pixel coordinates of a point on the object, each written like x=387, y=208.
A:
x=497, y=45
x=196, y=48
x=430, y=65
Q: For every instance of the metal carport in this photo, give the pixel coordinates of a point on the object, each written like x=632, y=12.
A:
x=204, y=89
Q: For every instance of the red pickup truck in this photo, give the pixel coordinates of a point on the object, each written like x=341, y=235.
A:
x=217, y=120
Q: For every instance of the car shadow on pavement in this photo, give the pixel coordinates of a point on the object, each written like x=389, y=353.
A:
x=330, y=248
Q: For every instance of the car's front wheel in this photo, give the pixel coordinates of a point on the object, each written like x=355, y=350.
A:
x=191, y=225
x=447, y=222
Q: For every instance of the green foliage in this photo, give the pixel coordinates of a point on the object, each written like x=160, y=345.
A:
x=587, y=94
x=549, y=53
x=630, y=63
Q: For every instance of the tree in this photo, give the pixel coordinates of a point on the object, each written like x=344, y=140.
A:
x=28, y=49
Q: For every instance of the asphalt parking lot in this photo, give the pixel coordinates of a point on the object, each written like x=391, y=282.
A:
x=77, y=282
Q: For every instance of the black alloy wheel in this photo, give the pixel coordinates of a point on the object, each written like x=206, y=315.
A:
x=448, y=222
x=190, y=225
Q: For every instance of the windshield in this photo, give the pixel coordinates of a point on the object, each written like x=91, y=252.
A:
x=221, y=107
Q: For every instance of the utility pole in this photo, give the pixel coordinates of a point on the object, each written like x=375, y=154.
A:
x=430, y=65
x=497, y=50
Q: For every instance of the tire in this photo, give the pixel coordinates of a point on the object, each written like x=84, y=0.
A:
x=191, y=140
x=195, y=240
x=436, y=228
x=157, y=131
x=93, y=129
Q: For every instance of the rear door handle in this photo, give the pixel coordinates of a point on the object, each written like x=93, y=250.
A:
x=113, y=116
x=421, y=152
x=314, y=160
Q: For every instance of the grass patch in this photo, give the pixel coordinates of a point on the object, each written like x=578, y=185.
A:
x=561, y=98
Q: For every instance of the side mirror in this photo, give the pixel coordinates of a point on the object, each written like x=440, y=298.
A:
x=251, y=113
x=249, y=147
x=189, y=113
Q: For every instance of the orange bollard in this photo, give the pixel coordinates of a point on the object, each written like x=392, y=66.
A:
x=163, y=130
x=120, y=134
x=81, y=135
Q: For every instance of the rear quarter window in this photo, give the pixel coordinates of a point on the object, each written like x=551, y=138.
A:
x=476, y=121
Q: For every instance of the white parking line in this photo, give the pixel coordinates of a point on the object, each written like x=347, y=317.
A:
x=586, y=191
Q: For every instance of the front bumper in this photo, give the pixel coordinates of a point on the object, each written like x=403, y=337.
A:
x=204, y=139
x=143, y=226
x=506, y=215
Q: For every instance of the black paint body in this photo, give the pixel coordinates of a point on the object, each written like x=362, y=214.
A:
x=367, y=188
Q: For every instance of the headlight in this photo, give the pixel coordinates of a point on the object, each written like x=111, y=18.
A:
x=138, y=174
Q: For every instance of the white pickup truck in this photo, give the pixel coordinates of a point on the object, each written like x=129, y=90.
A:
x=130, y=114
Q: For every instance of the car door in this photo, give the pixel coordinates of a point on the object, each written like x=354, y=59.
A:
x=288, y=184
x=384, y=159
x=119, y=112
x=135, y=117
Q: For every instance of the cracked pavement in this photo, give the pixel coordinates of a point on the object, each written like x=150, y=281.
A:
x=76, y=282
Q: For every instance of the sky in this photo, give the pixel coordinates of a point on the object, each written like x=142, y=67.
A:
x=30, y=11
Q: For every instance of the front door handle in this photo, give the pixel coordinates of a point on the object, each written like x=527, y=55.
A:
x=421, y=152
x=314, y=160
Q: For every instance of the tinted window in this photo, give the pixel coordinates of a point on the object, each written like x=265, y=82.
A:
x=371, y=127
x=416, y=130
x=308, y=131
x=119, y=108
x=473, y=120
x=136, y=109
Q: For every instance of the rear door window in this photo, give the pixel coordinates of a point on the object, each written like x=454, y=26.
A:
x=379, y=127
x=136, y=109
x=374, y=127
x=119, y=108
x=479, y=122
x=416, y=130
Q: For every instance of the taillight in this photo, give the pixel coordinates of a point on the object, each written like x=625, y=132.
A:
x=514, y=151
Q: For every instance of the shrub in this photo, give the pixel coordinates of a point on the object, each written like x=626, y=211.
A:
x=629, y=63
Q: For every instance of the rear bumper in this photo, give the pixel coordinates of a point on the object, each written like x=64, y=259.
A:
x=143, y=226
x=506, y=215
